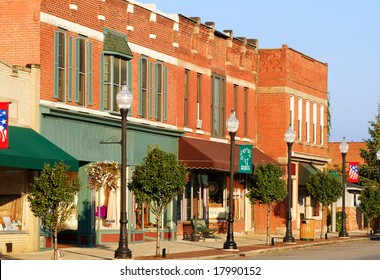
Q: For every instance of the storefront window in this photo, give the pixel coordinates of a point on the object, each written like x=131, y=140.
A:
x=12, y=198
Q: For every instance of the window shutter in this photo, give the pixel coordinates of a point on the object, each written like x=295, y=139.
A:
x=56, y=58
x=102, y=81
x=89, y=74
x=140, y=87
x=70, y=64
x=165, y=93
x=155, y=90
x=150, y=89
x=77, y=51
x=129, y=81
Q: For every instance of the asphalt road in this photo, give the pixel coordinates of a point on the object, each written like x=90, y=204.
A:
x=366, y=250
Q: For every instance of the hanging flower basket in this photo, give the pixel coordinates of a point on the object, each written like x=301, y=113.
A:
x=103, y=174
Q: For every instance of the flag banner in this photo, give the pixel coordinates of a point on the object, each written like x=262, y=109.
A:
x=4, y=109
x=353, y=172
x=245, y=164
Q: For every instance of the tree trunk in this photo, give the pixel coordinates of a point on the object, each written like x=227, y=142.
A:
x=55, y=252
x=323, y=208
x=158, y=234
x=268, y=224
x=369, y=227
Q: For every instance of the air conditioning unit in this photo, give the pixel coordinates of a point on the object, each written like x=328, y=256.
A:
x=199, y=124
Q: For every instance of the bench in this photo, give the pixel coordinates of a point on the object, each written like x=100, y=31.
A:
x=204, y=230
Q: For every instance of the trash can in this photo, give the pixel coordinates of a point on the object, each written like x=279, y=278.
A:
x=195, y=236
x=307, y=231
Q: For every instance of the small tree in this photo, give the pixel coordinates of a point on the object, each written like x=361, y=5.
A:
x=52, y=199
x=267, y=187
x=370, y=203
x=325, y=189
x=158, y=180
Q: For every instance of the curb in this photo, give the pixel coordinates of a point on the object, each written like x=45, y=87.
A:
x=276, y=249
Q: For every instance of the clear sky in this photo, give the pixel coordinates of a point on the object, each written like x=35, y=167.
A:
x=343, y=33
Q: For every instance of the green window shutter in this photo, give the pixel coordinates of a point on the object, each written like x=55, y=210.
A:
x=101, y=81
x=56, y=58
x=155, y=90
x=77, y=53
x=150, y=89
x=165, y=93
x=140, y=87
x=89, y=86
x=129, y=81
x=70, y=65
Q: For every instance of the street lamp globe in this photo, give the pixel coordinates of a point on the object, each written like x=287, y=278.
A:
x=232, y=123
x=343, y=146
x=124, y=98
x=290, y=135
x=378, y=155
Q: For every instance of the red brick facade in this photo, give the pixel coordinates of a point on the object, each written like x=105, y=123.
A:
x=264, y=80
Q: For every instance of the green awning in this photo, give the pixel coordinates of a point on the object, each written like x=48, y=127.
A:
x=116, y=43
x=305, y=170
x=28, y=149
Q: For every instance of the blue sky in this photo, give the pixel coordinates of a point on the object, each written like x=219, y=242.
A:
x=343, y=33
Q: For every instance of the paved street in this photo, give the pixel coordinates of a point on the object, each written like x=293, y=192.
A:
x=366, y=250
x=248, y=245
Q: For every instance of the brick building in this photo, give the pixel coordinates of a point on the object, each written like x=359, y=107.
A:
x=186, y=77
x=292, y=91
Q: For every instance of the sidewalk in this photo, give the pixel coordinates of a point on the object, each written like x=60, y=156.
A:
x=248, y=245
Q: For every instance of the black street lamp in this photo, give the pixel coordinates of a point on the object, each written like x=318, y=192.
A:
x=343, y=147
x=232, y=124
x=378, y=179
x=124, y=101
x=290, y=136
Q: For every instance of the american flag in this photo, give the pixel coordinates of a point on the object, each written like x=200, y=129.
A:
x=353, y=173
x=4, y=125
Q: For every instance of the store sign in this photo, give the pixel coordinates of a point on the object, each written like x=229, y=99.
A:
x=245, y=164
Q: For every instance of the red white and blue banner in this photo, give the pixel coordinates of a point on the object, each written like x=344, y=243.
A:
x=4, y=110
x=353, y=172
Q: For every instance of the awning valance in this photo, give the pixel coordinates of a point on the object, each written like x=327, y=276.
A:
x=202, y=154
x=30, y=150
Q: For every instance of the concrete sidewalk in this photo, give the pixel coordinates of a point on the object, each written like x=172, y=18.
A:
x=183, y=249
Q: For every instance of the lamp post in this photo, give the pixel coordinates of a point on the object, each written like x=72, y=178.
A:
x=378, y=179
x=232, y=124
x=124, y=101
x=343, y=147
x=290, y=136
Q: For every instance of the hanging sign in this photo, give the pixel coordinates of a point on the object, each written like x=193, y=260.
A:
x=245, y=163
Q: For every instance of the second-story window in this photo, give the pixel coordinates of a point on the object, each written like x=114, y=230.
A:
x=322, y=123
x=186, y=100
x=235, y=108
x=307, y=123
x=199, y=95
x=245, y=112
x=115, y=76
x=314, y=123
x=300, y=119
